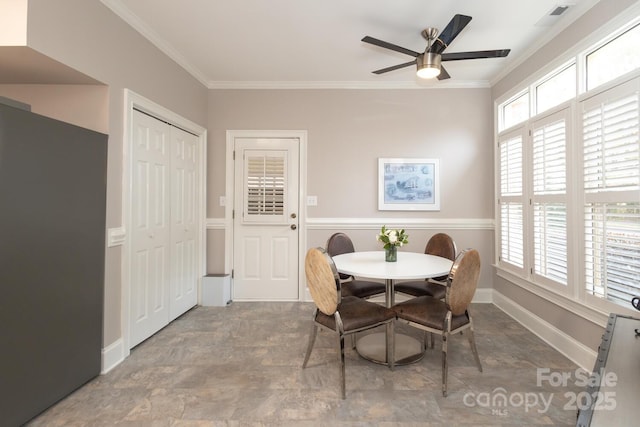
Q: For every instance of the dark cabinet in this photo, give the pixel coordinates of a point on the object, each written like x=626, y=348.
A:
x=52, y=252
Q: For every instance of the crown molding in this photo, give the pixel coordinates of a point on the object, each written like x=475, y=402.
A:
x=413, y=85
x=130, y=18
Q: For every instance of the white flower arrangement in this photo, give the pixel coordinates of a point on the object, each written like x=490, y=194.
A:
x=392, y=237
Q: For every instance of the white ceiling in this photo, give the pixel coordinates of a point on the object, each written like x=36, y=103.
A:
x=316, y=43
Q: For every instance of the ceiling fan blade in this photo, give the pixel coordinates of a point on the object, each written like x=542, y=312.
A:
x=450, y=32
x=395, y=67
x=388, y=45
x=457, y=56
x=443, y=74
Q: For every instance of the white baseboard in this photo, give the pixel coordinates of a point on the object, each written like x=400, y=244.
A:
x=483, y=296
x=574, y=350
x=112, y=356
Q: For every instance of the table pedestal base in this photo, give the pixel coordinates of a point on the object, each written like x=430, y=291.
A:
x=373, y=347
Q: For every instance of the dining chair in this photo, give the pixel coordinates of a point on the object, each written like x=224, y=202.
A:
x=442, y=245
x=342, y=315
x=340, y=243
x=450, y=316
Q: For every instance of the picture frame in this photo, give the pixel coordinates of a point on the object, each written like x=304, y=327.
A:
x=408, y=184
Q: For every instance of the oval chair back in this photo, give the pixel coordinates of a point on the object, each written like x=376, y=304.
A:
x=441, y=244
x=322, y=280
x=463, y=281
x=338, y=244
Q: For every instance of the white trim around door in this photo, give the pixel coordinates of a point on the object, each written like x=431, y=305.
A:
x=134, y=101
x=301, y=135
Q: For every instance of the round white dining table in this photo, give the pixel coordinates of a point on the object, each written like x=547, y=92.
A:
x=409, y=266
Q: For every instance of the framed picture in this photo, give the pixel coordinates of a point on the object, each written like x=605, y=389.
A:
x=408, y=184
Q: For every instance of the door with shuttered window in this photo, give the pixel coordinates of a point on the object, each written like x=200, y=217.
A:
x=265, y=262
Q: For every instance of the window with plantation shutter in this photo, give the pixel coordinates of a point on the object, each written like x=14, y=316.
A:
x=568, y=178
x=265, y=186
x=549, y=197
x=611, y=179
x=511, y=201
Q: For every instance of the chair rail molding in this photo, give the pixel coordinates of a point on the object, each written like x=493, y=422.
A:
x=216, y=223
x=413, y=223
x=116, y=236
x=376, y=223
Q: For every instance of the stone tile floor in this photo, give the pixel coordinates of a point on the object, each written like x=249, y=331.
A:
x=240, y=365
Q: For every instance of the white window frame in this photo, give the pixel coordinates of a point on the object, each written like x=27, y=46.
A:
x=546, y=78
x=506, y=103
x=518, y=132
x=611, y=89
x=562, y=112
x=572, y=297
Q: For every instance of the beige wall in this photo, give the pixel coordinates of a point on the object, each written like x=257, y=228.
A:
x=82, y=105
x=88, y=37
x=348, y=130
x=573, y=325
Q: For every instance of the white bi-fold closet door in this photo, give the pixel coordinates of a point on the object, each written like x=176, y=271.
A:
x=164, y=227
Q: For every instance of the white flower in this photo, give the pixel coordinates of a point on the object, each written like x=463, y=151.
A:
x=392, y=237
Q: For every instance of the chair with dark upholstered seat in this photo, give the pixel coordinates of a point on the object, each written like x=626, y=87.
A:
x=343, y=315
x=441, y=245
x=450, y=316
x=340, y=243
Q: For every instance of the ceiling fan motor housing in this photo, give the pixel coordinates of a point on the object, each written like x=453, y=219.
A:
x=429, y=60
x=428, y=65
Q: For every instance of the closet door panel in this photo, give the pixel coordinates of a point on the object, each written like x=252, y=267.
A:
x=184, y=196
x=150, y=261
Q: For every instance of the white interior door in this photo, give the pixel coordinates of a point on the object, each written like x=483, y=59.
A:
x=265, y=255
x=164, y=238
x=150, y=228
x=184, y=223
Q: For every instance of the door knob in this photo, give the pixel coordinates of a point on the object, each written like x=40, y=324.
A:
x=293, y=226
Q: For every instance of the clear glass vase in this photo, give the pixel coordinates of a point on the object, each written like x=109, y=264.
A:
x=391, y=254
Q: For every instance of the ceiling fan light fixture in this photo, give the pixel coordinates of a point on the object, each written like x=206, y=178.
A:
x=428, y=65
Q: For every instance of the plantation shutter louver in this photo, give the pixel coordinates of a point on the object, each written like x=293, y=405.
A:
x=511, y=202
x=265, y=186
x=549, y=198
x=611, y=174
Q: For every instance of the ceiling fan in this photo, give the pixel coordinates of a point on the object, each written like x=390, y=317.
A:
x=429, y=63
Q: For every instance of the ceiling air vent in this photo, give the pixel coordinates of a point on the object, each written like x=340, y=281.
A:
x=559, y=10
x=553, y=15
